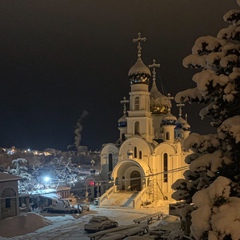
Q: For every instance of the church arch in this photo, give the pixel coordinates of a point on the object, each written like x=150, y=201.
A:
x=135, y=181
x=8, y=203
x=110, y=162
x=132, y=173
x=136, y=128
x=165, y=167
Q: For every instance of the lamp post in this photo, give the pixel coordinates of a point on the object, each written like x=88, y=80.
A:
x=92, y=162
x=98, y=190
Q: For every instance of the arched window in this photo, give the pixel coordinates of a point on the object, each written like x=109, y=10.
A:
x=167, y=135
x=140, y=154
x=136, y=127
x=165, y=167
x=123, y=137
x=135, y=152
x=136, y=103
x=110, y=162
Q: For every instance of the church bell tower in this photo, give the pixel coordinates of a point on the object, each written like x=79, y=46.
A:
x=139, y=120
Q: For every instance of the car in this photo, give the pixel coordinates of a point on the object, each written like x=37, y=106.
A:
x=99, y=223
x=61, y=206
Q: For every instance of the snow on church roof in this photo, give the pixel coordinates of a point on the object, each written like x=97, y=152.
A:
x=139, y=73
x=5, y=177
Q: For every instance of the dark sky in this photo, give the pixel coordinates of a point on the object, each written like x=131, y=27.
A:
x=61, y=57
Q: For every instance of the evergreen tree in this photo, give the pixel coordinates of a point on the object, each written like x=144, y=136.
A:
x=212, y=183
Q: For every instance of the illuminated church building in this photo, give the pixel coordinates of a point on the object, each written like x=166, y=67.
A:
x=148, y=157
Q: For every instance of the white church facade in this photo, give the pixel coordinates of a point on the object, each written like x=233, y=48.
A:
x=148, y=157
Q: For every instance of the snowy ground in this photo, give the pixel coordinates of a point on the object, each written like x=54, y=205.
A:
x=58, y=227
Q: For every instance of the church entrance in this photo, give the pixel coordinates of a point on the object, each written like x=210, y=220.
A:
x=135, y=181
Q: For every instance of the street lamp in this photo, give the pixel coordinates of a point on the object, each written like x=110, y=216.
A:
x=92, y=162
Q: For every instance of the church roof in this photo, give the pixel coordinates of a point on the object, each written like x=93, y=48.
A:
x=159, y=103
x=169, y=119
x=139, y=73
x=5, y=177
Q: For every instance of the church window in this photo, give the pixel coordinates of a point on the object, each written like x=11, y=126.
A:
x=110, y=162
x=167, y=135
x=136, y=104
x=140, y=154
x=8, y=203
x=135, y=152
x=136, y=127
x=165, y=167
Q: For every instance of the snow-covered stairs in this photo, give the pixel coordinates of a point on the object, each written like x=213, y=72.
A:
x=120, y=199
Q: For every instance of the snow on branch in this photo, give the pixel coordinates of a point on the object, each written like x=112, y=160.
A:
x=207, y=44
x=231, y=32
x=225, y=220
x=194, y=61
x=207, y=77
x=189, y=95
x=232, y=16
x=201, y=143
x=235, y=75
x=229, y=60
x=231, y=127
x=209, y=163
x=213, y=59
x=231, y=48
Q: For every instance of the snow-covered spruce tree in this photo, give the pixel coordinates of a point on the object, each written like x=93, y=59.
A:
x=212, y=183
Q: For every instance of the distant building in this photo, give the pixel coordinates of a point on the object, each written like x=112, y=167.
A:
x=148, y=157
x=9, y=198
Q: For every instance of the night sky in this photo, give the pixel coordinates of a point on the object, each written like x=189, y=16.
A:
x=61, y=57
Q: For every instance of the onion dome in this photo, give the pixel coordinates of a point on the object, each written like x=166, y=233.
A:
x=122, y=122
x=169, y=119
x=159, y=103
x=139, y=73
x=186, y=126
x=180, y=122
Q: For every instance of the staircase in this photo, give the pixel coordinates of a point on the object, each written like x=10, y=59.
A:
x=120, y=199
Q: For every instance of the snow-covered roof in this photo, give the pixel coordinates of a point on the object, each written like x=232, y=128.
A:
x=139, y=73
x=5, y=177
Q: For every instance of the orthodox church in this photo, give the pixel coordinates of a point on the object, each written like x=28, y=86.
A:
x=148, y=157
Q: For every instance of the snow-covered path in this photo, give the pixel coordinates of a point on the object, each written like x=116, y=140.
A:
x=70, y=227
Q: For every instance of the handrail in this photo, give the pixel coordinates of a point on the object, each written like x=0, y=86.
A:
x=139, y=198
x=106, y=194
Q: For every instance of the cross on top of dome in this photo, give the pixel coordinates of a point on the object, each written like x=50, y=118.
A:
x=124, y=102
x=154, y=65
x=180, y=105
x=138, y=40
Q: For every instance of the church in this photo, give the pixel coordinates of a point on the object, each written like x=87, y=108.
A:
x=148, y=156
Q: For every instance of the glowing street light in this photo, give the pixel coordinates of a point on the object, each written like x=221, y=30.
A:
x=46, y=179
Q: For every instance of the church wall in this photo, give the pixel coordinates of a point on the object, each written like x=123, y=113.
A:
x=162, y=151
x=140, y=144
x=107, y=150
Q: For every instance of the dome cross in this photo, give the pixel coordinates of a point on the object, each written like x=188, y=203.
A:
x=153, y=66
x=169, y=97
x=139, y=39
x=180, y=105
x=124, y=102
